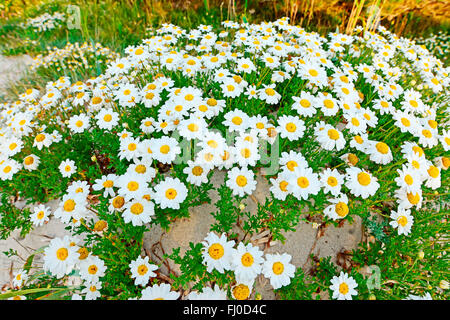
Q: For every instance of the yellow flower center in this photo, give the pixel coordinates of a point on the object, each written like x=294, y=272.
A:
x=241, y=292
x=303, y=182
x=418, y=150
x=402, y=220
x=142, y=269
x=107, y=118
x=197, y=171
x=216, y=251
x=92, y=269
x=270, y=92
x=283, y=186
x=413, y=103
x=80, y=95
x=305, y=103
x=192, y=127
x=241, y=181
x=329, y=104
x=405, y=122
x=433, y=171
x=332, y=181
x=29, y=160
x=278, y=268
x=69, y=205
x=433, y=124
x=118, y=202
x=137, y=209
x=133, y=185
x=171, y=193
x=237, y=120
x=96, y=100
x=40, y=215
x=413, y=198
x=40, y=137
x=213, y=144
x=247, y=259
x=343, y=288
x=246, y=153
x=409, y=180
x=164, y=149
x=291, y=127
x=363, y=179
x=382, y=147
x=313, y=72
x=341, y=209
x=427, y=133
x=333, y=134
x=132, y=146
x=260, y=125
x=62, y=254
x=211, y=102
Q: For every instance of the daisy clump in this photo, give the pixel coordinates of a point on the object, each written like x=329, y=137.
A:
x=338, y=126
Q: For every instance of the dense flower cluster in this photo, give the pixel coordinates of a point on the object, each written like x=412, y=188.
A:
x=46, y=21
x=438, y=44
x=73, y=57
x=334, y=96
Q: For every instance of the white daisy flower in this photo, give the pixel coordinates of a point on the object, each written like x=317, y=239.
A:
x=402, y=221
x=339, y=208
x=331, y=181
x=247, y=261
x=241, y=181
x=67, y=168
x=60, y=257
x=170, y=193
x=92, y=269
x=343, y=287
x=138, y=211
x=278, y=269
x=379, y=152
x=360, y=182
x=331, y=138
x=303, y=182
x=159, y=292
x=208, y=293
x=291, y=127
x=217, y=252
x=40, y=215
x=142, y=270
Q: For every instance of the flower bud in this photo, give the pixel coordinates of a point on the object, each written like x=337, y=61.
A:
x=443, y=284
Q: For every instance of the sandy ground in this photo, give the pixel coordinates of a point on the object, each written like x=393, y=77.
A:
x=11, y=69
x=300, y=244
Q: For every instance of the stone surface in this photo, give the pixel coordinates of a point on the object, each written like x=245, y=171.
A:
x=37, y=238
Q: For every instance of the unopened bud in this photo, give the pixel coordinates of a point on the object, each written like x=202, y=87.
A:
x=421, y=255
x=443, y=285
